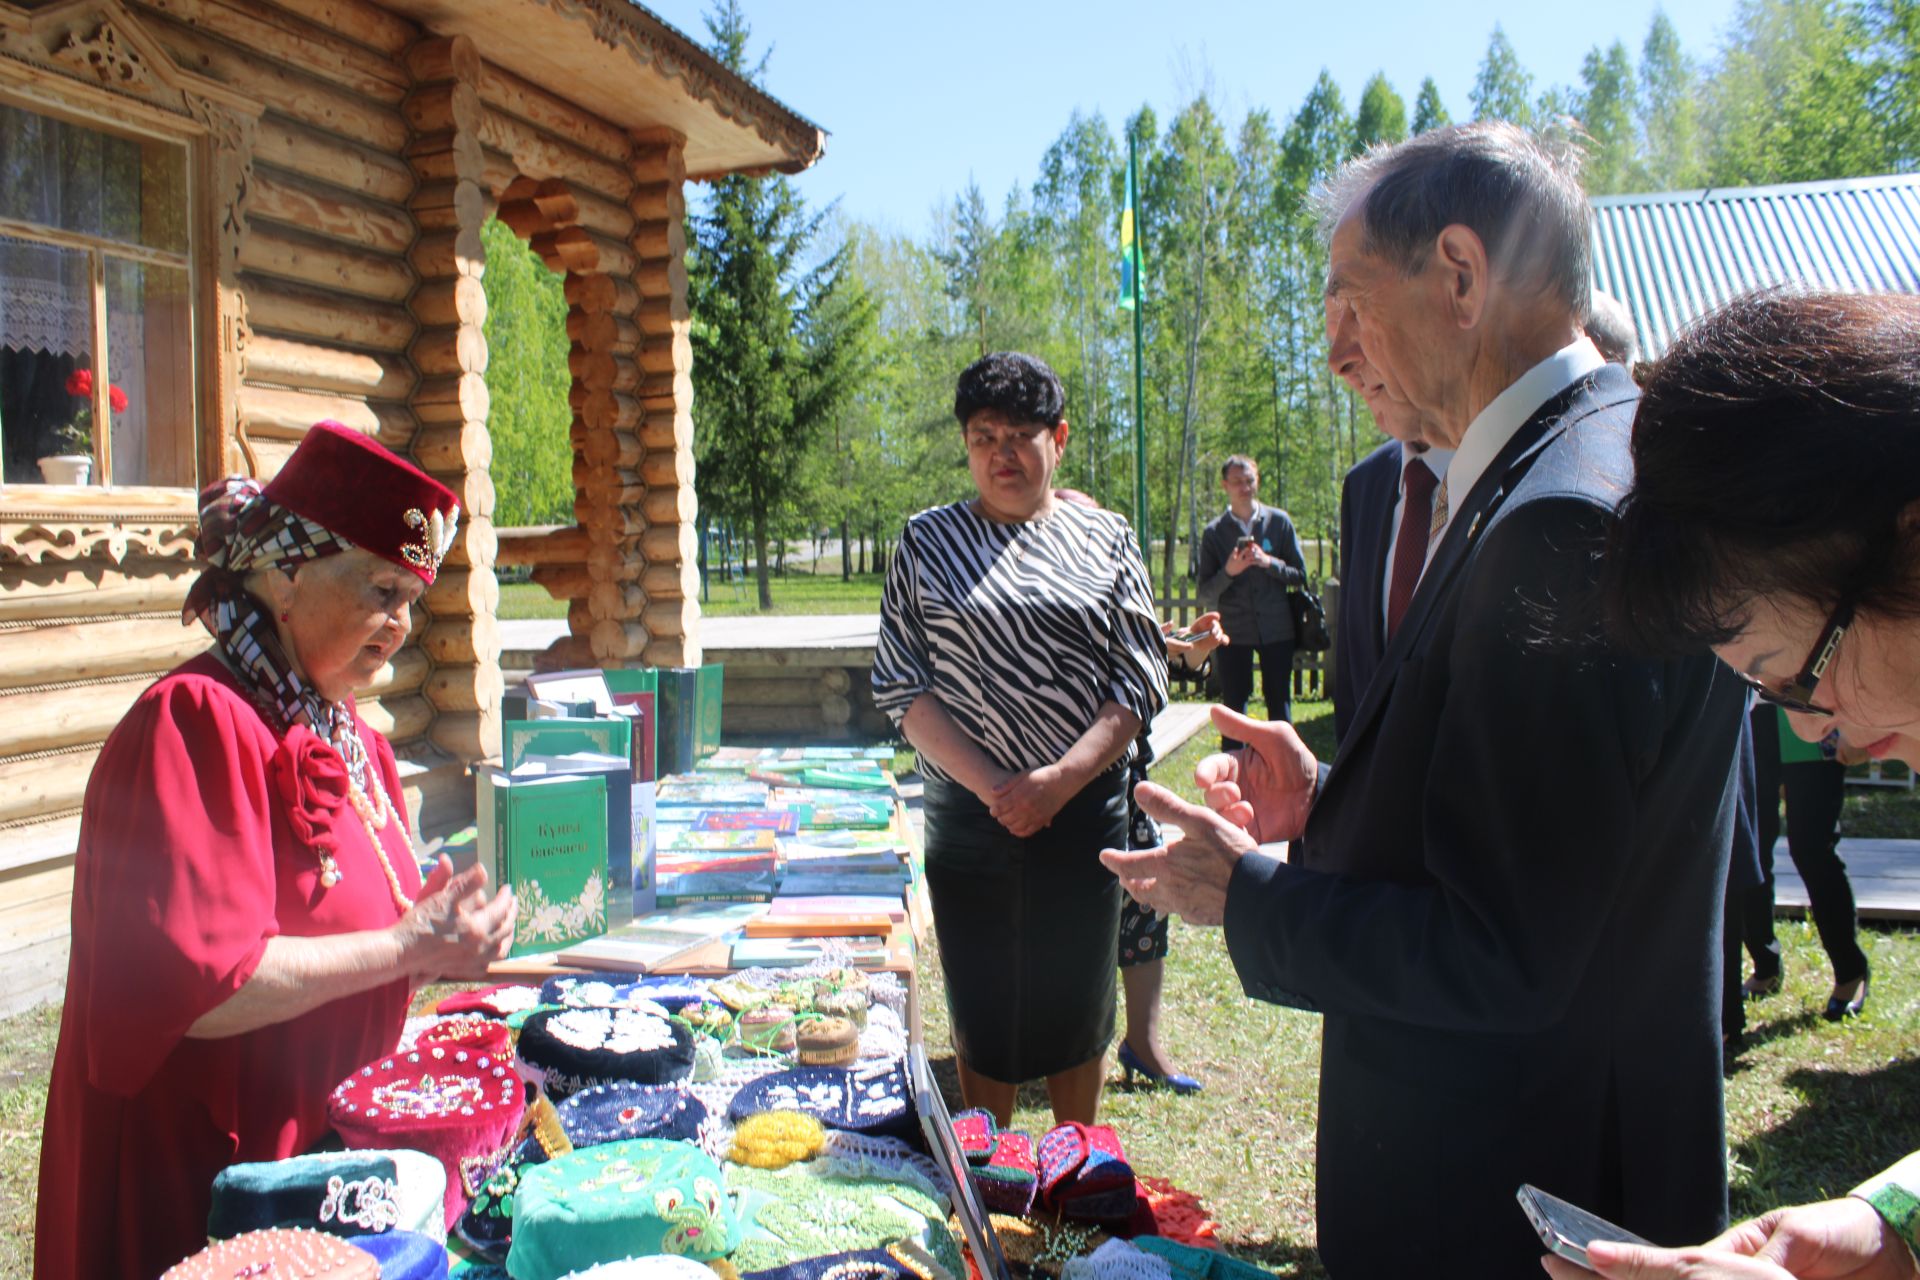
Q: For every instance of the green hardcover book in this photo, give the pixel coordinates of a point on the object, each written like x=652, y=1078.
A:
x=707, y=690
x=676, y=734
x=549, y=844
x=631, y=679
x=607, y=737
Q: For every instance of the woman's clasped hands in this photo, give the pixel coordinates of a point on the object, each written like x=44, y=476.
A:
x=454, y=929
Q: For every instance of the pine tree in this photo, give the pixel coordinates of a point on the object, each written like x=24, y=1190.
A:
x=1429, y=112
x=1669, y=110
x=1503, y=89
x=779, y=344
x=1382, y=116
x=1605, y=110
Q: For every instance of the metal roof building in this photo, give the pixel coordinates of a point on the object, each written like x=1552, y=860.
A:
x=1674, y=255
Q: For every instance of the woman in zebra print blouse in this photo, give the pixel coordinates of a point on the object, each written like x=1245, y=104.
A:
x=1020, y=655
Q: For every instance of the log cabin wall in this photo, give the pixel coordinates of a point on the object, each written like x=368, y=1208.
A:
x=343, y=161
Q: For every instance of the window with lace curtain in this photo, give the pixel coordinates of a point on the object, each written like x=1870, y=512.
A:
x=96, y=315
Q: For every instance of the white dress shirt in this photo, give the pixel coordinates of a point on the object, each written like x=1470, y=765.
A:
x=1436, y=460
x=1507, y=412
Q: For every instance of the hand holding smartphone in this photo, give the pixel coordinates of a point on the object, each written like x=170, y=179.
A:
x=1567, y=1229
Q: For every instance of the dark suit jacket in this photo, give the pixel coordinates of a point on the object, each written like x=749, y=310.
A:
x=1366, y=529
x=1507, y=901
x=1253, y=606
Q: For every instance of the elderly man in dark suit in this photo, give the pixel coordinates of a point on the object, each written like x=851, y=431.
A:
x=1386, y=513
x=1505, y=895
x=1249, y=559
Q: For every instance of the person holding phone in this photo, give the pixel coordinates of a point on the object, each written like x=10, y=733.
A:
x=1249, y=559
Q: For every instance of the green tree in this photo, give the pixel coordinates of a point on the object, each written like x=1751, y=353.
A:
x=781, y=341
x=1503, y=89
x=1429, y=112
x=1382, y=116
x=1894, y=26
x=1792, y=99
x=1605, y=109
x=527, y=383
x=1669, y=111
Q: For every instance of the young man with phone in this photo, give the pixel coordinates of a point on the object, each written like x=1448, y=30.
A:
x=1249, y=559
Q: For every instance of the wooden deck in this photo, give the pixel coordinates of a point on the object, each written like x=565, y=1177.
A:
x=1885, y=876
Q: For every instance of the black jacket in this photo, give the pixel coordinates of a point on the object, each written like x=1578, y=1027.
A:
x=1508, y=898
x=1367, y=498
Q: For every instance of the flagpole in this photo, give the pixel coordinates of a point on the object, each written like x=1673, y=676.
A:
x=1139, y=366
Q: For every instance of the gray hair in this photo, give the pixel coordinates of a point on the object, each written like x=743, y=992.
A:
x=1610, y=325
x=1519, y=191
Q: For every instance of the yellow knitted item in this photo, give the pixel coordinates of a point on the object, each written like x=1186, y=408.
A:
x=775, y=1139
x=722, y=1268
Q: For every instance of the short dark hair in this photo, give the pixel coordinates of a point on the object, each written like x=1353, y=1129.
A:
x=1776, y=445
x=1018, y=385
x=1518, y=190
x=1610, y=327
x=1238, y=460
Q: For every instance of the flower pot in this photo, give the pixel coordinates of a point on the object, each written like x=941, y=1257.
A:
x=66, y=468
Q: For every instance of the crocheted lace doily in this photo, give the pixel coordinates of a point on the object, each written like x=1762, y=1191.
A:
x=1117, y=1260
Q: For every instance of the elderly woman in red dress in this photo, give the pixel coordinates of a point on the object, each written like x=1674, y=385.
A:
x=248, y=919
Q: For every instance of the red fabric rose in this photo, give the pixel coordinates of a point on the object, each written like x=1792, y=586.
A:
x=311, y=780
x=80, y=382
x=116, y=398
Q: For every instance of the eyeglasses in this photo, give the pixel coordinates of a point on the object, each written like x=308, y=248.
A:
x=1797, y=695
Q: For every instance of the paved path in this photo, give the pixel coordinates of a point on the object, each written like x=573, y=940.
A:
x=1885, y=876
x=794, y=631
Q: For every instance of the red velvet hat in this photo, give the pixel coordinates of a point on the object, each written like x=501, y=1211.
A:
x=456, y=1105
x=348, y=484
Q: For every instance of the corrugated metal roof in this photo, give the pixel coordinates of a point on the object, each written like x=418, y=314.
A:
x=1674, y=255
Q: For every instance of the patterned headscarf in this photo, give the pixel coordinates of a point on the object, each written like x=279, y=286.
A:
x=240, y=530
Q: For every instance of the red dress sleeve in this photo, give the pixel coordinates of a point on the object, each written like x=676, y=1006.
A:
x=175, y=889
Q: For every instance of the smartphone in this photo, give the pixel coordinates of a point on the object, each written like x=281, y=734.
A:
x=1185, y=636
x=1246, y=541
x=1567, y=1229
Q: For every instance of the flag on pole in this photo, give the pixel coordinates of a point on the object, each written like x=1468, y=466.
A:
x=1130, y=241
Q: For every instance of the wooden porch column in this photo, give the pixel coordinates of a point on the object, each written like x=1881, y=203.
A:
x=449, y=204
x=670, y=577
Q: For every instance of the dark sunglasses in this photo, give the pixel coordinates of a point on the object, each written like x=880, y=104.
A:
x=1797, y=694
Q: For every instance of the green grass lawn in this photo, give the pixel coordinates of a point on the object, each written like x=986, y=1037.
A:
x=795, y=594
x=1811, y=1107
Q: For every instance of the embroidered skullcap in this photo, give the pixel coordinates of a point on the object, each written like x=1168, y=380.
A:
x=868, y=1101
x=457, y=1106
x=278, y=1252
x=343, y=1193
x=863, y=1264
x=572, y=1049
x=621, y=1200
x=617, y=1112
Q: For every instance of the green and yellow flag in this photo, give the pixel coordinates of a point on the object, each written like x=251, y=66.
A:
x=1130, y=241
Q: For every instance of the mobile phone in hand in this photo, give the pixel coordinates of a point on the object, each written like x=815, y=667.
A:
x=1567, y=1229
x=1185, y=637
x=1246, y=540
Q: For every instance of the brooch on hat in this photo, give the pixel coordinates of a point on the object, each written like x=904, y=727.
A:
x=436, y=532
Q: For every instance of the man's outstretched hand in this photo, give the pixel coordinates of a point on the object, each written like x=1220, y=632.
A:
x=1266, y=786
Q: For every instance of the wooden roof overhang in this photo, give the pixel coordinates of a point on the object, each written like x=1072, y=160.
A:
x=630, y=68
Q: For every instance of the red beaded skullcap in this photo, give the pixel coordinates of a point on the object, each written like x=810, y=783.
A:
x=354, y=487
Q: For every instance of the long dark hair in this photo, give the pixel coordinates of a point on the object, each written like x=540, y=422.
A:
x=1776, y=445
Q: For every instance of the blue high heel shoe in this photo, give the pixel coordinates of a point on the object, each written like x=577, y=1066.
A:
x=1131, y=1064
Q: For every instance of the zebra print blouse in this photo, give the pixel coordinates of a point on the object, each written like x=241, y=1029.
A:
x=1023, y=631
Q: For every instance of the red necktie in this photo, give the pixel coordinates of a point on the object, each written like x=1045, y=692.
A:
x=1410, y=550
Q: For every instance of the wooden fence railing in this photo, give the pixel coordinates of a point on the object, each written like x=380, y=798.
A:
x=1312, y=672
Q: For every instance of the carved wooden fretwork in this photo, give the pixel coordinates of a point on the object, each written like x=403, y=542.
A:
x=43, y=537
x=111, y=60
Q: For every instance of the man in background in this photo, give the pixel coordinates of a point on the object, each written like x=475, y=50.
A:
x=1249, y=558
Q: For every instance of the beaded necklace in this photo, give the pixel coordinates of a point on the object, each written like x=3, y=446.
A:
x=376, y=809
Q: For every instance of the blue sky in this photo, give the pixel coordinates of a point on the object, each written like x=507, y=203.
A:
x=918, y=96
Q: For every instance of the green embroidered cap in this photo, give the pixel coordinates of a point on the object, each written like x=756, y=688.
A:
x=621, y=1200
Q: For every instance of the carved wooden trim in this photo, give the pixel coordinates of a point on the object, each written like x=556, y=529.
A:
x=112, y=61
x=620, y=25
x=43, y=537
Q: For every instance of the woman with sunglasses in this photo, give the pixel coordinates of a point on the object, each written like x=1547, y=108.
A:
x=1775, y=516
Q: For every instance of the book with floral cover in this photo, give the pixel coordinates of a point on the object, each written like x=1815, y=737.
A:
x=546, y=838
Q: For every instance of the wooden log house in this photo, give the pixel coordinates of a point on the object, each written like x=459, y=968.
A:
x=250, y=216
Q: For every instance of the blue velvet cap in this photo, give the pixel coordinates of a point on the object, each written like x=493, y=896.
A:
x=859, y=1100
x=405, y=1255
x=865, y=1264
x=615, y=1112
x=341, y=1192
